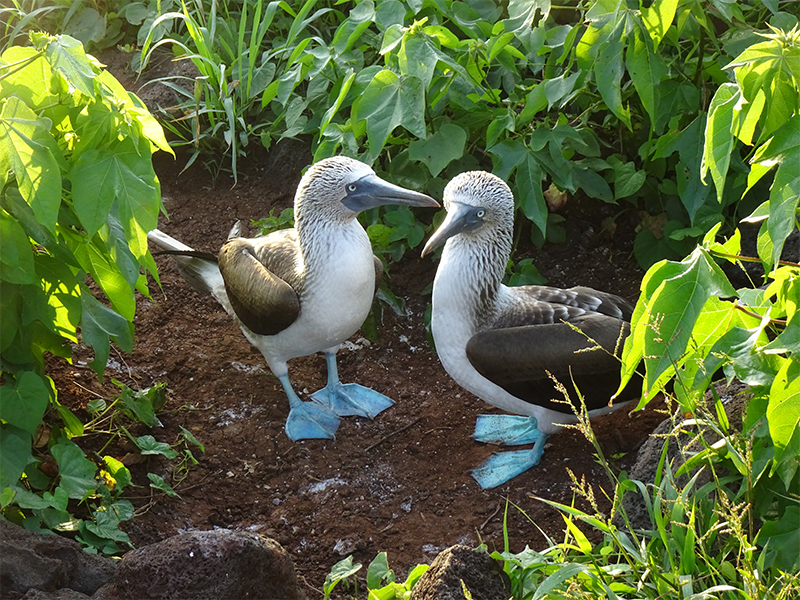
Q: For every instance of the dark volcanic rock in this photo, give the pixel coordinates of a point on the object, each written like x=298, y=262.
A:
x=216, y=564
x=480, y=574
x=47, y=563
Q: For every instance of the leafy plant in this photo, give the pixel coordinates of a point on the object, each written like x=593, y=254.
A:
x=77, y=197
x=381, y=584
x=44, y=498
x=684, y=328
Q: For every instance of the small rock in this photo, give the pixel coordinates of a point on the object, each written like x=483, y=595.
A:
x=47, y=563
x=220, y=564
x=481, y=575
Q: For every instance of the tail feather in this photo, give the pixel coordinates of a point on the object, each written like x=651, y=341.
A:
x=198, y=268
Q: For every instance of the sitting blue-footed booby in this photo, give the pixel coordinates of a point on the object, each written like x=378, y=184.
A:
x=303, y=290
x=500, y=342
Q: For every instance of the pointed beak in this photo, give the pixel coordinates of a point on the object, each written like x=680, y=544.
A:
x=456, y=221
x=372, y=191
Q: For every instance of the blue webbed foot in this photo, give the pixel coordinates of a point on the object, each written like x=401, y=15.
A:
x=352, y=399
x=310, y=421
x=507, y=430
x=503, y=466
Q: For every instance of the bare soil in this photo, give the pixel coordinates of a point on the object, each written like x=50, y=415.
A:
x=400, y=483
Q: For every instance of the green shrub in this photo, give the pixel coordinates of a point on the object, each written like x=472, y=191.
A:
x=78, y=195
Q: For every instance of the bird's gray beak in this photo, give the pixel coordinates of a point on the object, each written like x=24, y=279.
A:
x=371, y=191
x=458, y=219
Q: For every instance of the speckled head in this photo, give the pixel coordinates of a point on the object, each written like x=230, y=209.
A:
x=480, y=208
x=338, y=188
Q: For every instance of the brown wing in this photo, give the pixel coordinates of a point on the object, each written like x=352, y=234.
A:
x=262, y=280
x=549, y=305
x=517, y=359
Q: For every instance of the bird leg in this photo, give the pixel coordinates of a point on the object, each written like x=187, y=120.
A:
x=349, y=399
x=508, y=430
x=307, y=420
x=502, y=466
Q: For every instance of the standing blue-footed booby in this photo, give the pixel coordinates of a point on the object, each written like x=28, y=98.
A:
x=499, y=342
x=304, y=290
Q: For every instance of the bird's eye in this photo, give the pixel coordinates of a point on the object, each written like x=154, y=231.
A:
x=480, y=213
x=352, y=187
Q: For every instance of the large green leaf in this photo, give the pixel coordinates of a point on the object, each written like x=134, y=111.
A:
x=23, y=402
x=76, y=472
x=417, y=56
x=98, y=323
x=719, y=138
x=522, y=14
x=645, y=71
x=390, y=101
x=608, y=72
x=783, y=415
x=99, y=177
x=438, y=150
x=783, y=537
x=658, y=18
x=529, y=191
x=15, y=454
x=784, y=197
x=16, y=252
x=30, y=150
x=673, y=296
x=60, y=287
x=66, y=55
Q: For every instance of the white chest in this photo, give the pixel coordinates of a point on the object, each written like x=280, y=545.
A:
x=336, y=298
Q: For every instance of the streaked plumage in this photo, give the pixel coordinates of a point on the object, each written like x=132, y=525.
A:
x=498, y=342
x=304, y=290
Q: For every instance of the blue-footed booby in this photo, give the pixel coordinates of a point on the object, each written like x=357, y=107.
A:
x=299, y=291
x=499, y=342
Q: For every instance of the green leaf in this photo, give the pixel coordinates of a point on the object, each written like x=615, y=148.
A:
x=438, y=150
x=76, y=472
x=100, y=177
x=341, y=570
x=379, y=571
x=783, y=416
x=642, y=66
x=608, y=73
x=673, y=295
x=390, y=101
x=16, y=253
x=23, y=401
x=98, y=322
x=417, y=56
x=557, y=579
x=189, y=437
x=658, y=18
x=26, y=141
x=627, y=180
x=119, y=472
x=719, y=140
x=530, y=196
x=149, y=445
x=157, y=482
x=522, y=14
x=107, y=526
x=15, y=454
x=61, y=289
x=66, y=55
x=783, y=536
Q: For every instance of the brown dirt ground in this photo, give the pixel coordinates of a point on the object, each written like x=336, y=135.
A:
x=399, y=483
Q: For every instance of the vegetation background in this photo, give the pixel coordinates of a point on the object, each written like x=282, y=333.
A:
x=682, y=111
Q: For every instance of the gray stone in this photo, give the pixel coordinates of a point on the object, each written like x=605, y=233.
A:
x=48, y=563
x=480, y=573
x=218, y=564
